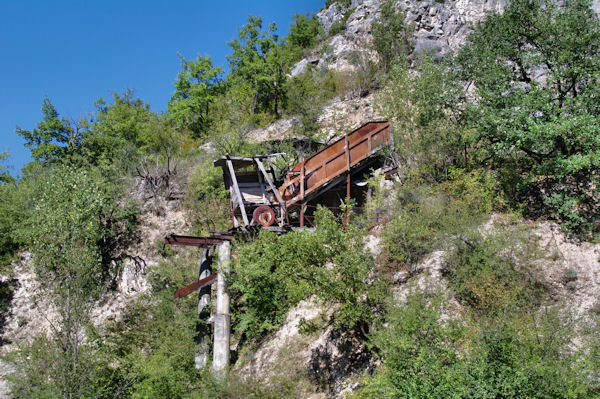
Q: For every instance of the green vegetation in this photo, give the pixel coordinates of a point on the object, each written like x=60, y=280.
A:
x=77, y=235
x=196, y=88
x=426, y=218
x=273, y=274
x=426, y=355
x=391, y=35
x=342, y=3
x=536, y=70
x=507, y=125
x=500, y=342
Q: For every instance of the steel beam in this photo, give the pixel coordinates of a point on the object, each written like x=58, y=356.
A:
x=192, y=241
x=195, y=286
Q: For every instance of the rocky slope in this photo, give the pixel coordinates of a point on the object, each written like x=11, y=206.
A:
x=329, y=361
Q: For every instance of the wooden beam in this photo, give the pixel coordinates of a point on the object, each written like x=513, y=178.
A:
x=262, y=186
x=302, y=173
x=236, y=189
x=269, y=181
x=282, y=211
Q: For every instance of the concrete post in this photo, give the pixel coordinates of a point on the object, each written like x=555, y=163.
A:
x=222, y=318
x=203, y=329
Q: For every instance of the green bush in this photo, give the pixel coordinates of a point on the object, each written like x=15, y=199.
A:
x=342, y=3
x=540, y=130
x=77, y=226
x=206, y=200
x=426, y=353
x=420, y=355
x=493, y=273
x=391, y=35
x=304, y=31
x=426, y=217
x=337, y=27
x=430, y=134
x=273, y=273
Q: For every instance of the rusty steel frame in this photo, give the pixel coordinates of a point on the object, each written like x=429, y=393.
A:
x=308, y=179
x=232, y=163
x=204, y=242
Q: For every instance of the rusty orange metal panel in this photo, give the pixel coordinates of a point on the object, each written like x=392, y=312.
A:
x=329, y=163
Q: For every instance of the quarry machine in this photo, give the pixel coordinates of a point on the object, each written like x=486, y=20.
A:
x=256, y=199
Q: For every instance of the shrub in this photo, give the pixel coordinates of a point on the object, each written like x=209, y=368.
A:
x=493, y=274
x=430, y=134
x=425, y=353
x=424, y=219
x=206, y=199
x=77, y=229
x=420, y=355
x=535, y=71
x=390, y=35
x=304, y=31
x=273, y=273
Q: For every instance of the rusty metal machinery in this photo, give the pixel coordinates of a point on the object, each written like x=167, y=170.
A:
x=250, y=181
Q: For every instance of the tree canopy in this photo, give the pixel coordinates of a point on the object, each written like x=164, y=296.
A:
x=535, y=71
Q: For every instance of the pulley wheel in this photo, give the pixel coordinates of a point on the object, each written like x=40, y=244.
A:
x=264, y=215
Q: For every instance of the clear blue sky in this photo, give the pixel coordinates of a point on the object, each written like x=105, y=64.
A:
x=75, y=52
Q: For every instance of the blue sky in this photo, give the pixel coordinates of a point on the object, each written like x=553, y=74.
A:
x=75, y=52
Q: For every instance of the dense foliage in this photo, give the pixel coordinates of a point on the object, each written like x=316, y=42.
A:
x=273, y=274
x=535, y=71
x=497, y=343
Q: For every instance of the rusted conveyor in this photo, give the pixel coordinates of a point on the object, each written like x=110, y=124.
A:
x=308, y=178
x=250, y=181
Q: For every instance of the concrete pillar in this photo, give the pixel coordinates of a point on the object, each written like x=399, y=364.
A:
x=203, y=328
x=222, y=319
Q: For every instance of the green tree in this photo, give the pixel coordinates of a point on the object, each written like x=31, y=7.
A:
x=424, y=104
x=536, y=76
x=123, y=129
x=279, y=271
x=259, y=61
x=196, y=87
x=55, y=139
x=77, y=233
x=8, y=217
x=304, y=31
x=390, y=35
x=5, y=177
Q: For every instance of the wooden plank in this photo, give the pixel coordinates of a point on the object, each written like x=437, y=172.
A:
x=270, y=182
x=302, y=173
x=236, y=189
x=195, y=286
x=262, y=186
x=282, y=211
x=347, y=154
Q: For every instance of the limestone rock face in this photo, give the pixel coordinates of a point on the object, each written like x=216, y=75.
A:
x=440, y=26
